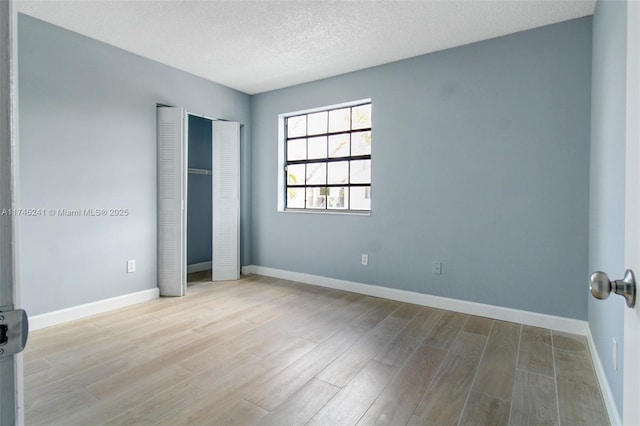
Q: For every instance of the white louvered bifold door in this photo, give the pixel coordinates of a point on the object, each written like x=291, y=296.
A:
x=226, y=200
x=172, y=185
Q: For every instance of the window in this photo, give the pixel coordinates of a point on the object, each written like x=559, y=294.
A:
x=327, y=159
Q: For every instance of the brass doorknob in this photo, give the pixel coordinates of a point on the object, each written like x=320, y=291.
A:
x=601, y=286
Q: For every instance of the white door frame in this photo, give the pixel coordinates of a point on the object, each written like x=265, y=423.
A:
x=11, y=368
x=631, y=386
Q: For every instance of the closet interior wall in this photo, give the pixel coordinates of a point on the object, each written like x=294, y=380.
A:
x=199, y=194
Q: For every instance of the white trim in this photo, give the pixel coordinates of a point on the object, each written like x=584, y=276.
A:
x=607, y=395
x=551, y=322
x=326, y=107
x=281, y=159
x=631, y=369
x=329, y=212
x=49, y=319
x=197, y=267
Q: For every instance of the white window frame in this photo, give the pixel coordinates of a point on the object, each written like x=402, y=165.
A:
x=282, y=137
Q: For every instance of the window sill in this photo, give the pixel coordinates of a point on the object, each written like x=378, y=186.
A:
x=327, y=212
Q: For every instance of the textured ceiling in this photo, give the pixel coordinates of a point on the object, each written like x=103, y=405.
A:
x=256, y=46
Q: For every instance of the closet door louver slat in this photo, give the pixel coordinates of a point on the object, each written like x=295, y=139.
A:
x=172, y=131
x=226, y=200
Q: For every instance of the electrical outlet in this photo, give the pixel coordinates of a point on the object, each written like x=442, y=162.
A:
x=131, y=266
x=365, y=259
x=615, y=354
x=436, y=268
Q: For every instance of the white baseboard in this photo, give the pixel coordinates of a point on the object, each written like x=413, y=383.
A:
x=49, y=319
x=551, y=322
x=197, y=267
x=609, y=402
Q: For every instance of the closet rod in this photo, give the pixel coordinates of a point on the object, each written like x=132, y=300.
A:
x=199, y=171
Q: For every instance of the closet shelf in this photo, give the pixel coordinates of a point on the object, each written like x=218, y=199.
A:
x=199, y=171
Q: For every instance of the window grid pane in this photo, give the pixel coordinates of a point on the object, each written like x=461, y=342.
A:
x=328, y=159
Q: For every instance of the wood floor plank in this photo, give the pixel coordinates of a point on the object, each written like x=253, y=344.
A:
x=36, y=366
x=183, y=395
x=575, y=366
x=534, y=400
x=410, y=337
x=417, y=421
x=56, y=412
x=300, y=318
x=445, y=398
x=280, y=307
x=350, y=362
x=333, y=311
x=116, y=400
x=579, y=398
x=217, y=379
x=86, y=370
x=82, y=369
x=47, y=341
x=199, y=413
x=406, y=311
x=364, y=312
x=241, y=413
x=58, y=383
x=479, y=325
x=258, y=340
x=224, y=387
x=570, y=343
x=219, y=384
x=158, y=406
x=276, y=390
x=124, y=377
x=350, y=403
x=302, y=406
x=580, y=403
x=395, y=405
x=379, y=310
x=86, y=355
x=445, y=332
x=536, y=351
x=483, y=409
x=143, y=381
x=225, y=328
x=497, y=369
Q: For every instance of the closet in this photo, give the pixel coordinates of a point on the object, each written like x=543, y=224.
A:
x=198, y=170
x=199, y=194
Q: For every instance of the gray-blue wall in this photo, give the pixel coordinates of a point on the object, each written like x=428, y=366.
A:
x=480, y=160
x=606, y=222
x=88, y=140
x=199, y=192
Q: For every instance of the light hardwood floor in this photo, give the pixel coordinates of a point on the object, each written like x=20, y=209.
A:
x=274, y=352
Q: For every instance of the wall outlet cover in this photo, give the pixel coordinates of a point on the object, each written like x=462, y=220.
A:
x=131, y=266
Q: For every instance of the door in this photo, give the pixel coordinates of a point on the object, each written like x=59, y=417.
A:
x=226, y=201
x=10, y=366
x=631, y=398
x=172, y=201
